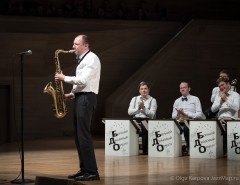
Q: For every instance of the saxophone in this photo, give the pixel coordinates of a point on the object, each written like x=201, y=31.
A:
x=58, y=100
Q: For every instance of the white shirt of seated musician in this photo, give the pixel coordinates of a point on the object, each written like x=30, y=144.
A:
x=187, y=106
x=227, y=101
x=143, y=106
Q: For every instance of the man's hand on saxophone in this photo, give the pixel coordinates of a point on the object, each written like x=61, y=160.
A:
x=69, y=96
x=59, y=76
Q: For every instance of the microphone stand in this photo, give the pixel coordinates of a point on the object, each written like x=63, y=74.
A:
x=22, y=180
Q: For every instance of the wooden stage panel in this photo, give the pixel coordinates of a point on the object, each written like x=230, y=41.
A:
x=55, y=159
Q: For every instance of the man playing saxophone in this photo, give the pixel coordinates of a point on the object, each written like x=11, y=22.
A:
x=85, y=88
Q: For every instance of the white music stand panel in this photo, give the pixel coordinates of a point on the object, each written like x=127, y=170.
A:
x=233, y=140
x=206, y=140
x=164, y=139
x=121, y=138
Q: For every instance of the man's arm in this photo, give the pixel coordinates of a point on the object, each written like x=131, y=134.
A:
x=152, y=111
x=133, y=109
x=85, y=74
x=214, y=93
x=216, y=104
x=198, y=114
x=174, y=112
x=233, y=102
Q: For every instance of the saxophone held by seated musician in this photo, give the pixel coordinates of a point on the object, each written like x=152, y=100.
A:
x=57, y=94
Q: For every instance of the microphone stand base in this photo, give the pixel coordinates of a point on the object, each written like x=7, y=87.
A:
x=22, y=181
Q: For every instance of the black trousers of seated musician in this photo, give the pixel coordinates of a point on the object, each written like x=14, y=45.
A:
x=185, y=133
x=144, y=135
x=84, y=105
x=225, y=140
x=224, y=133
x=209, y=114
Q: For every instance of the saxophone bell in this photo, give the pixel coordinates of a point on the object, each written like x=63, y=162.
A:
x=180, y=118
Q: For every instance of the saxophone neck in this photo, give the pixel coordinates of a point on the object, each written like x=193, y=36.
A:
x=58, y=68
x=63, y=51
x=57, y=52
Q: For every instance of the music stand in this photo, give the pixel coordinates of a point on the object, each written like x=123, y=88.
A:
x=139, y=124
x=22, y=180
x=179, y=126
x=221, y=126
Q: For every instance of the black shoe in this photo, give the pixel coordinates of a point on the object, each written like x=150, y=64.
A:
x=87, y=177
x=79, y=173
x=225, y=153
x=185, y=151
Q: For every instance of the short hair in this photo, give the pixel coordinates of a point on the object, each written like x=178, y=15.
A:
x=144, y=83
x=222, y=79
x=85, y=39
x=186, y=83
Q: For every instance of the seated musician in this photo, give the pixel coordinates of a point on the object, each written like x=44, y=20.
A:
x=223, y=73
x=226, y=104
x=143, y=107
x=184, y=108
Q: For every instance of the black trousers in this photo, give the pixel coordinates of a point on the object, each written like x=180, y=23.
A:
x=84, y=105
x=224, y=133
x=185, y=133
x=143, y=134
x=209, y=114
x=225, y=139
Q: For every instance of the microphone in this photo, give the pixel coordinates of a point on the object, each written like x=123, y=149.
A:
x=28, y=52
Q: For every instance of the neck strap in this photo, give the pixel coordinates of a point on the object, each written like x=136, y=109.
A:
x=83, y=56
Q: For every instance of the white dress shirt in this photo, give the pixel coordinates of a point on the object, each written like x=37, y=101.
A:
x=215, y=92
x=87, y=75
x=229, y=108
x=192, y=107
x=149, y=110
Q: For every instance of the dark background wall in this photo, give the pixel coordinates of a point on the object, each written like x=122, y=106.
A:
x=183, y=10
x=196, y=54
x=162, y=42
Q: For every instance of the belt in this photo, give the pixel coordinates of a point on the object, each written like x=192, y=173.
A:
x=81, y=93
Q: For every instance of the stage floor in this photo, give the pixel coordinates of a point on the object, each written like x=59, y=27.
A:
x=57, y=158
